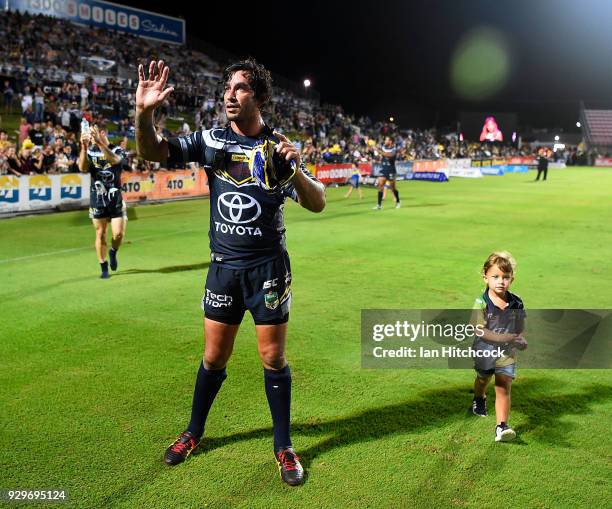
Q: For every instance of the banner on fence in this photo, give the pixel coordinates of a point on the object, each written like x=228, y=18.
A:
x=39, y=192
x=330, y=173
x=48, y=192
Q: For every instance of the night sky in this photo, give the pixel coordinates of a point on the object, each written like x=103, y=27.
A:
x=424, y=61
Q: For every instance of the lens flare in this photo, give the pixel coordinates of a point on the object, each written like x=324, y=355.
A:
x=480, y=66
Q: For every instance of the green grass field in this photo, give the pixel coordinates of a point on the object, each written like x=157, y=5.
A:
x=96, y=376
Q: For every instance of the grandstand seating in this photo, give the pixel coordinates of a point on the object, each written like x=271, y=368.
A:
x=597, y=127
x=63, y=59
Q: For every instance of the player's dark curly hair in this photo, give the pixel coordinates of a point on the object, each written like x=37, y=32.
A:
x=260, y=78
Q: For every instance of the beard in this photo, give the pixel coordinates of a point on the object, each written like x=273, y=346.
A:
x=242, y=113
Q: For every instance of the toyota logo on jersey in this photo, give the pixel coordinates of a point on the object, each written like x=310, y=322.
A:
x=238, y=208
x=106, y=176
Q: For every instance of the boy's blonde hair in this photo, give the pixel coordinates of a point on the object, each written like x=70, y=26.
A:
x=503, y=259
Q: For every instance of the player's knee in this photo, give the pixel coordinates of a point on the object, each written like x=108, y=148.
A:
x=214, y=361
x=272, y=356
x=215, y=358
x=118, y=236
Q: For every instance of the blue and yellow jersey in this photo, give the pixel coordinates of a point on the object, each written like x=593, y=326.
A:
x=247, y=226
x=510, y=320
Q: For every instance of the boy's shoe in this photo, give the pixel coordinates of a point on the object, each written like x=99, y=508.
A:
x=104, y=269
x=181, y=448
x=504, y=433
x=397, y=205
x=289, y=466
x=378, y=207
x=112, y=255
x=479, y=407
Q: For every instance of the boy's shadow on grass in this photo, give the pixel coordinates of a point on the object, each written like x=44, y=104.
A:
x=434, y=408
x=165, y=270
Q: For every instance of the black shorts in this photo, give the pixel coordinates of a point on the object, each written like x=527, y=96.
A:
x=116, y=208
x=389, y=175
x=264, y=290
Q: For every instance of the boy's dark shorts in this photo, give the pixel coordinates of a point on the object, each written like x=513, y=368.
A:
x=264, y=290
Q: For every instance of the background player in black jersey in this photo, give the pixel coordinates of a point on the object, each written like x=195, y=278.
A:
x=387, y=172
x=103, y=161
x=250, y=267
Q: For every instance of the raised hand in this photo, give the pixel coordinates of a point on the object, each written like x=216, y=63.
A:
x=85, y=139
x=286, y=149
x=150, y=92
x=95, y=136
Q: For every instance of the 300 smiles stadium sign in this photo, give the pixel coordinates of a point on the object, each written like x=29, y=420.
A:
x=108, y=15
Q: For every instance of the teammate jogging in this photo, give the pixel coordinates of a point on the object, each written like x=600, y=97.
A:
x=103, y=161
x=250, y=267
x=387, y=173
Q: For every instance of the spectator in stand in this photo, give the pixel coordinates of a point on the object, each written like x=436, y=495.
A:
x=29, y=115
x=64, y=115
x=9, y=94
x=5, y=143
x=70, y=154
x=75, y=117
x=39, y=105
x=4, y=167
x=26, y=100
x=13, y=162
x=62, y=163
x=48, y=159
x=84, y=93
x=38, y=158
x=29, y=164
x=24, y=130
x=37, y=135
x=49, y=133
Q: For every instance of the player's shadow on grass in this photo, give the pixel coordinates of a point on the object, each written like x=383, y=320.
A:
x=165, y=270
x=345, y=212
x=434, y=408
x=391, y=205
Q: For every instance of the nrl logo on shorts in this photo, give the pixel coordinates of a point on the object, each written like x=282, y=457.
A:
x=271, y=300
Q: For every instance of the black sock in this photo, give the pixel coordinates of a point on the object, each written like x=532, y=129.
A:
x=104, y=266
x=380, y=195
x=396, y=194
x=115, y=249
x=208, y=383
x=278, y=391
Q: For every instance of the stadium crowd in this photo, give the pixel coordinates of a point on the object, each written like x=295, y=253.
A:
x=54, y=73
